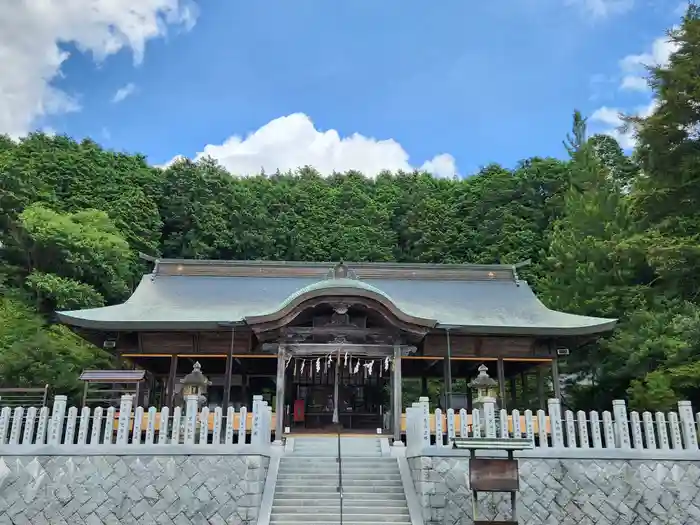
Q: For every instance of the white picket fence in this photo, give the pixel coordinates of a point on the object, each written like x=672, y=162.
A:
x=63, y=426
x=673, y=431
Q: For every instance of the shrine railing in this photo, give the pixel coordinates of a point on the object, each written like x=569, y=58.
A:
x=61, y=425
x=675, y=431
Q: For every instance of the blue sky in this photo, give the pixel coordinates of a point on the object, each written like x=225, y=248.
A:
x=481, y=82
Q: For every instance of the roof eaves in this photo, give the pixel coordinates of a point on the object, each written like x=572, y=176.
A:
x=600, y=328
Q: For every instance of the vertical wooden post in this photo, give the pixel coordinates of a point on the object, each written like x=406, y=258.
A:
x=540, y=387
x=229, y=370
x=279, y=401
x=501, y=381
x=396, y=408
x=470, y=396
x=448, y=372
x=85, y=393
x=171, y=381
x=513, y=393
x=336, y=388
x=555, y=379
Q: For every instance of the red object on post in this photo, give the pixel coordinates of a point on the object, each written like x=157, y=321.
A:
x=299, y=411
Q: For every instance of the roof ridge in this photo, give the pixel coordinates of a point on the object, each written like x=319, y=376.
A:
x=363, y=270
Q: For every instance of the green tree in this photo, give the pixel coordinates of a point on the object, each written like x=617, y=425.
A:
x=75, y=260
x=667, y=199
x=33, y=354
x=595, y=265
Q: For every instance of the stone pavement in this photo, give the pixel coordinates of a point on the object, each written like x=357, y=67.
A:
x=566, y=492
x=124, y=490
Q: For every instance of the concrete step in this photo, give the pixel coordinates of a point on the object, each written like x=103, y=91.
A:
x=346, y=461
x=334, y=450
x=354, y=461
x=307, y=485
x=359, y=488
x=358, y=500
x=334, y=517
x=284, y=521
x=332, y=476
x=349, y=466
x=348, y=510
x=312, y=485
x=335, y=470
x=367, y=496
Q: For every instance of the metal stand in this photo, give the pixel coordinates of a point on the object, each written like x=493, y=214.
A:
x=493, y=474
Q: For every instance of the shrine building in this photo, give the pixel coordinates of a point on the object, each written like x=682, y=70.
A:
x=330, y=344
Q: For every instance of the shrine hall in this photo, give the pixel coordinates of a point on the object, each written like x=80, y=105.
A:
x=342, y=345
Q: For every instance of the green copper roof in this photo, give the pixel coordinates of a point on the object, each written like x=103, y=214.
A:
x=484, y=300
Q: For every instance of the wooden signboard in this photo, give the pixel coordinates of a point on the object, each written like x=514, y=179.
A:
x=494, y=475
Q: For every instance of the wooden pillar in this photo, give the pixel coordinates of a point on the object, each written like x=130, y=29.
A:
x=555, y=379
x=424, y=386
x=244, y=389
x=279, y=404
x=336, y=388
x=171, y=383
x=540, y=388
x=229, y=371
x=85, y=393
x=501, y=381
x=396, y=388
x=448, y=374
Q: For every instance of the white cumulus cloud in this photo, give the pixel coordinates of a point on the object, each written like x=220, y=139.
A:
x=286, y=143
x=124, y=92
x=32, y=33
x=610, y=121
x=634, y=67
x=633, y=70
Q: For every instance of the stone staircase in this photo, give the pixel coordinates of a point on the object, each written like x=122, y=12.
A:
x=307, y=485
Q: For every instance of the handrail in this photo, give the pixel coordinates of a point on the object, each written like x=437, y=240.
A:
x=340, y=475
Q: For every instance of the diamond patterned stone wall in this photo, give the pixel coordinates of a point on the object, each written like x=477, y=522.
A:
x=124, y=490
x=566, y=492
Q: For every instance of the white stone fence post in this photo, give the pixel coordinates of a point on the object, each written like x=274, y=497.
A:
x=134, y=426
x=617, y=429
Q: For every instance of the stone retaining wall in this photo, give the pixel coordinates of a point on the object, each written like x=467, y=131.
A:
x=131, y=489
x=565, y=491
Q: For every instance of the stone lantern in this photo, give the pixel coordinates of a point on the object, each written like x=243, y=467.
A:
x=485, y=388
x=195, y=384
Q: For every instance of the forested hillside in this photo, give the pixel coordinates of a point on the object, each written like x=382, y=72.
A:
x=608, y=234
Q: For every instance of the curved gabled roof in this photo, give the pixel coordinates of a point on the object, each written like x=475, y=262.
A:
x=204, y=295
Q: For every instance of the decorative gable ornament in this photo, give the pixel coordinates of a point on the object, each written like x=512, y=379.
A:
x=341, y=271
